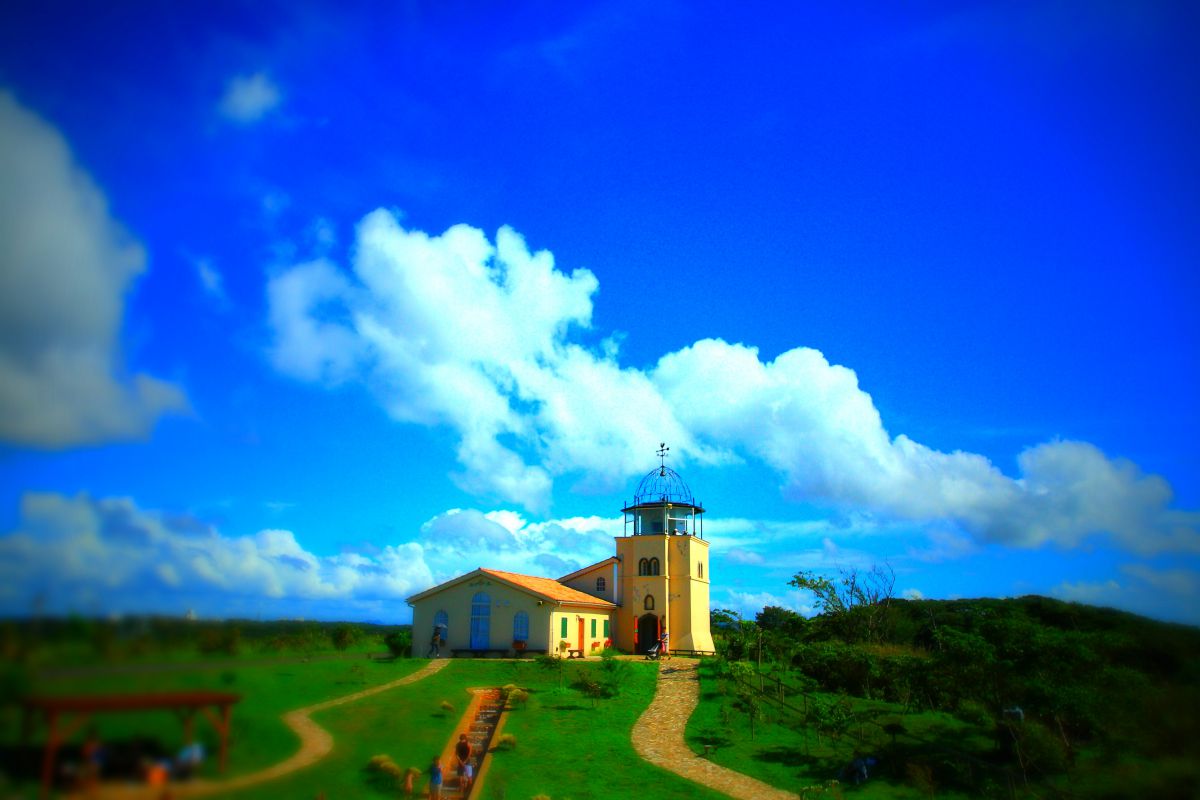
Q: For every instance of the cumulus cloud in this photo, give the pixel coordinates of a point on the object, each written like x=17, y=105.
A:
x=460, y=540
x=249, y=98
x=101, y=555
x=1169, y=593
x=1177, y=583
x=484, y=339
x=748, y=604
x=65, y=265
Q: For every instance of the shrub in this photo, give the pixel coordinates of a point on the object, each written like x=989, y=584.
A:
x=399, y=643
x=506, y=742
x=384, y=774
x=447, y=707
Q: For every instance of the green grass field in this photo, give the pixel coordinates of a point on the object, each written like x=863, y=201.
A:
x=567, y=747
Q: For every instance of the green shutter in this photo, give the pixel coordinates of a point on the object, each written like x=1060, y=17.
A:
x=564, y=628
x=593, y=629
x=605, y=629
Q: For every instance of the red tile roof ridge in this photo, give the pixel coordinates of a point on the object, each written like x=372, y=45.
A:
x=547, y=587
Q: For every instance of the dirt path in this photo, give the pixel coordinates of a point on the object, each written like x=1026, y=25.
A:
x=315, y=744
x=658, y=736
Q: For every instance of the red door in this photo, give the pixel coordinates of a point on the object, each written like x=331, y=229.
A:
x=581, y=650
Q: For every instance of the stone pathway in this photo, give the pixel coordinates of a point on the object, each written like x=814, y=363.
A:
x=315, y=744
x=658, y=736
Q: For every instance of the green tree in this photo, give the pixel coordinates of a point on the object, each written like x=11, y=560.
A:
x=856, y=603
x=343, y=636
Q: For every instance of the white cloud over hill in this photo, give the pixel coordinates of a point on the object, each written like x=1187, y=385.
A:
x=65, y=265
x=482, y=338
x=90, y=555
x=85, y=554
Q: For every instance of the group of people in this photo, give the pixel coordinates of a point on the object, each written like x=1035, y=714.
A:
x=155, y=771
x=463, y=752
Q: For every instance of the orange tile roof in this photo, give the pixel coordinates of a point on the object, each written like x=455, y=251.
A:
x=548, y=587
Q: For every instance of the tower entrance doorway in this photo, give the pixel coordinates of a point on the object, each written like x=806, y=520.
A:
x=647, y=633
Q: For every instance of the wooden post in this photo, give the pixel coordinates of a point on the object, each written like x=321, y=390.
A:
x=48, y=754
x=226, y=713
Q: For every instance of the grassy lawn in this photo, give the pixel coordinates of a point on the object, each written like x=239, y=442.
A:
x=566, y=748
x=259, y=738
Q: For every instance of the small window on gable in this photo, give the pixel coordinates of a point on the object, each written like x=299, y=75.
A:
x=654, y=566
x=649, y=603
x=600, y=584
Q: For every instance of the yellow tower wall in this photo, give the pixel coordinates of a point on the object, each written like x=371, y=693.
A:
x=681, y=597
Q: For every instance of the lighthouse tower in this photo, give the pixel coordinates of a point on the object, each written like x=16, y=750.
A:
x=663, y=566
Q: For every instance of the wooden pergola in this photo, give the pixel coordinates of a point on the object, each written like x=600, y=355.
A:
x=66, y=715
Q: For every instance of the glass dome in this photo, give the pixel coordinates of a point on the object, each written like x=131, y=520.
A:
x=663, y=485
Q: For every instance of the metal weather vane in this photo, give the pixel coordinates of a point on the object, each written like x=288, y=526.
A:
x=662, y=457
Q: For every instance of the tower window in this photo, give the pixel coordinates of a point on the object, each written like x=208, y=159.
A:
x=653, y=566
x=700, y=568
x=644, y=567
x=600, y=585
x=649, y=603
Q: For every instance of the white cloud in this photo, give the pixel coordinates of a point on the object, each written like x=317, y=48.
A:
x=738, y=555
x=912, y=594
x=249, y=98
x=482, y=338
x=748, y=604
x=65, y=266
x=210, y=279
x=1178, y=583
x=1104, y=593
x=460, y=540
x=1169, y=594
x=91, y=555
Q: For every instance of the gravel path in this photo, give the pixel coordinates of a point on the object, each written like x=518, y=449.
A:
x=658, y=736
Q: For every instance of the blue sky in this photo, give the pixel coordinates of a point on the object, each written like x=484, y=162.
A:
x=307, y=307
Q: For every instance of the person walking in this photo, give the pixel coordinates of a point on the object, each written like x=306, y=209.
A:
x=435, y=645
x=435, y=779
x=462, y=752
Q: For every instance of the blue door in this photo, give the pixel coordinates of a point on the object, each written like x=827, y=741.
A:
x=481, y=619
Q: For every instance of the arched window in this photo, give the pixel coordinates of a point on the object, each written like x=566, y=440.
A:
x=481, y=621
x=654, y=566
x=644, y=567
x=441, y=624
x=600, y=584
x=649, y=603
x=520, y=627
